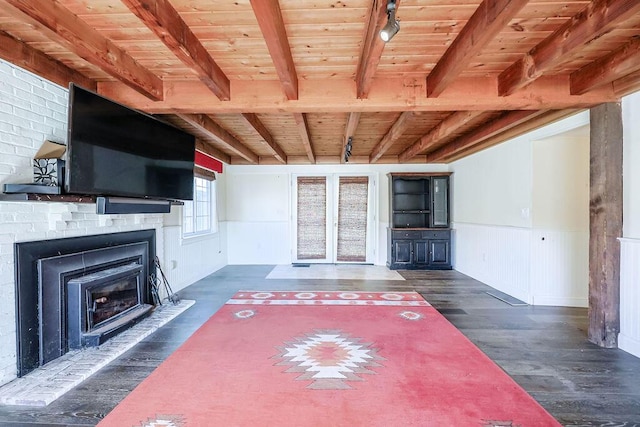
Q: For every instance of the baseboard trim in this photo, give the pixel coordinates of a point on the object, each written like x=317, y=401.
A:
x=562, y=302
x=629, y=344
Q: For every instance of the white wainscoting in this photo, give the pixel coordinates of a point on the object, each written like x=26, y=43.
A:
x=560, y=268
x=189, y=260
x=266, y=242
x=497, y=256
x=514, y=260
x=629, y=337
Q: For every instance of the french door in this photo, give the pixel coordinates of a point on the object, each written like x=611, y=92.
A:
x=334, y=217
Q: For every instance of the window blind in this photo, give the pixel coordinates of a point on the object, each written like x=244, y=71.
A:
x=353, y=197
x=312, y=218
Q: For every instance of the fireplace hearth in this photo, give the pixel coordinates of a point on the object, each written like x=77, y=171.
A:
x=79, y=292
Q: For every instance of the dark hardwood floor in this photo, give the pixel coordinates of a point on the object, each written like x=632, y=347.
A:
x=544, y=349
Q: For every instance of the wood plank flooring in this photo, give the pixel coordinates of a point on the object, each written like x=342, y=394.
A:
x=544, y=349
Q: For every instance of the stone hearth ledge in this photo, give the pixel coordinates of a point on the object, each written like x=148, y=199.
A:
x=49, y=382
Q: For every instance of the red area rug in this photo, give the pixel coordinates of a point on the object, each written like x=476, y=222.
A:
x=328, y=359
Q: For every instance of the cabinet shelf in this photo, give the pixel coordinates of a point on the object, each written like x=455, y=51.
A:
x=411, y=211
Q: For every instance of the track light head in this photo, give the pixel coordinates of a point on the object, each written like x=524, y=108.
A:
x=393, y=26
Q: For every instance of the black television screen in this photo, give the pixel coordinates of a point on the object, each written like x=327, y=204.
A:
x=113, y=150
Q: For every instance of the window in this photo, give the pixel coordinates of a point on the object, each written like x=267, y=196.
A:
x=199, y=214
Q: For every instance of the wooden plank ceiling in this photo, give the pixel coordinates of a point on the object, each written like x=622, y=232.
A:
x=289, y=81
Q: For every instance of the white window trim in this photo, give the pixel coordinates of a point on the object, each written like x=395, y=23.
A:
x=213, y=216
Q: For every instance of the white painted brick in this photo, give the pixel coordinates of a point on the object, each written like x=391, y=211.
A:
x=6, y=127
x=28, y=115
x=25, y=151
x=28, y=78
x=43, y=92
x=16, y=207
x=5, y=108
x=6, y=88
x=18, y=83
x=16, y=228
x=5, y=67
x=57, y=107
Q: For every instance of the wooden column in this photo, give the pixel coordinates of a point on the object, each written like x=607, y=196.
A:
x=605, y=211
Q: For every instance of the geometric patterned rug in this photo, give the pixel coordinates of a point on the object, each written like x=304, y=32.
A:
x=328, y=359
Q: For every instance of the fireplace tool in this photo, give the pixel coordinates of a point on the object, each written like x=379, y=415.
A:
x=157, y=282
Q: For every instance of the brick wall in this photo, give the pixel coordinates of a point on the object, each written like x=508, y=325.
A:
x=31, y=111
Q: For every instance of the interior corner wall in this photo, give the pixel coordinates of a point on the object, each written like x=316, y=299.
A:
x=629, y=337
x=493, y=211
x=187, y=260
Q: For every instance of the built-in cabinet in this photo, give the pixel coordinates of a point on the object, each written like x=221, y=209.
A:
x=419, y=236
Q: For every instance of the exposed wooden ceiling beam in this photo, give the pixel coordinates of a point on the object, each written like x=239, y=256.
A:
x=536, y=121
x=350, y=129
x=372, y=47
x=255, y=123
x=627, y=84
x=221, y=136
x=598, y=18
x=338, y=96
x=613, y=66
x=443, y=129
x=395, y=131
x=504, y=122
x=161, y=18
x=62, y=26
x=212, y=151
x=275, y=35
x=487, y=21
x=25, y=56
x=303, y=128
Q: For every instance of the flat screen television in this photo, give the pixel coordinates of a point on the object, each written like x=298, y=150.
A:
x=113, y=150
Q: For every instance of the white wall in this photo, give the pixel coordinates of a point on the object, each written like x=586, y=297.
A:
x=258, y=203
x=629, y=338
x=505, y=202
x=32, y=110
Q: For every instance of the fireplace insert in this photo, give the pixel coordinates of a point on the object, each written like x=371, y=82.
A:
x=101, y=304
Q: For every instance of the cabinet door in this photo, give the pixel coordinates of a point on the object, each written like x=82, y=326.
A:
x=439, y=253
x=440, y=201
x=421, y=252
x=403, y=251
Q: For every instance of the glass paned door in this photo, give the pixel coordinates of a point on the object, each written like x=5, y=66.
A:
x=333, y=219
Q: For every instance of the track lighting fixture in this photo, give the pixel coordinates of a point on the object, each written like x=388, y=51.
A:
x=393, y=26
x=347, y=150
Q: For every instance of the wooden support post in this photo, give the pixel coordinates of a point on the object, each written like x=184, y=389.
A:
x=605, y=211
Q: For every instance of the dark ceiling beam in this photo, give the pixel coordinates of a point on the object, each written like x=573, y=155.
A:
x=372, y=47
x=598, y=18
x=269, y=18
x=305, y=135
x=443, y=129
x=26, y=57
x=500, y=124
x=613, y=66
x=206, y=124
x=254, y=122
x=350, y=130
x=395, y=131
x=161, y=18
x=487, y=21
x=63, y=27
